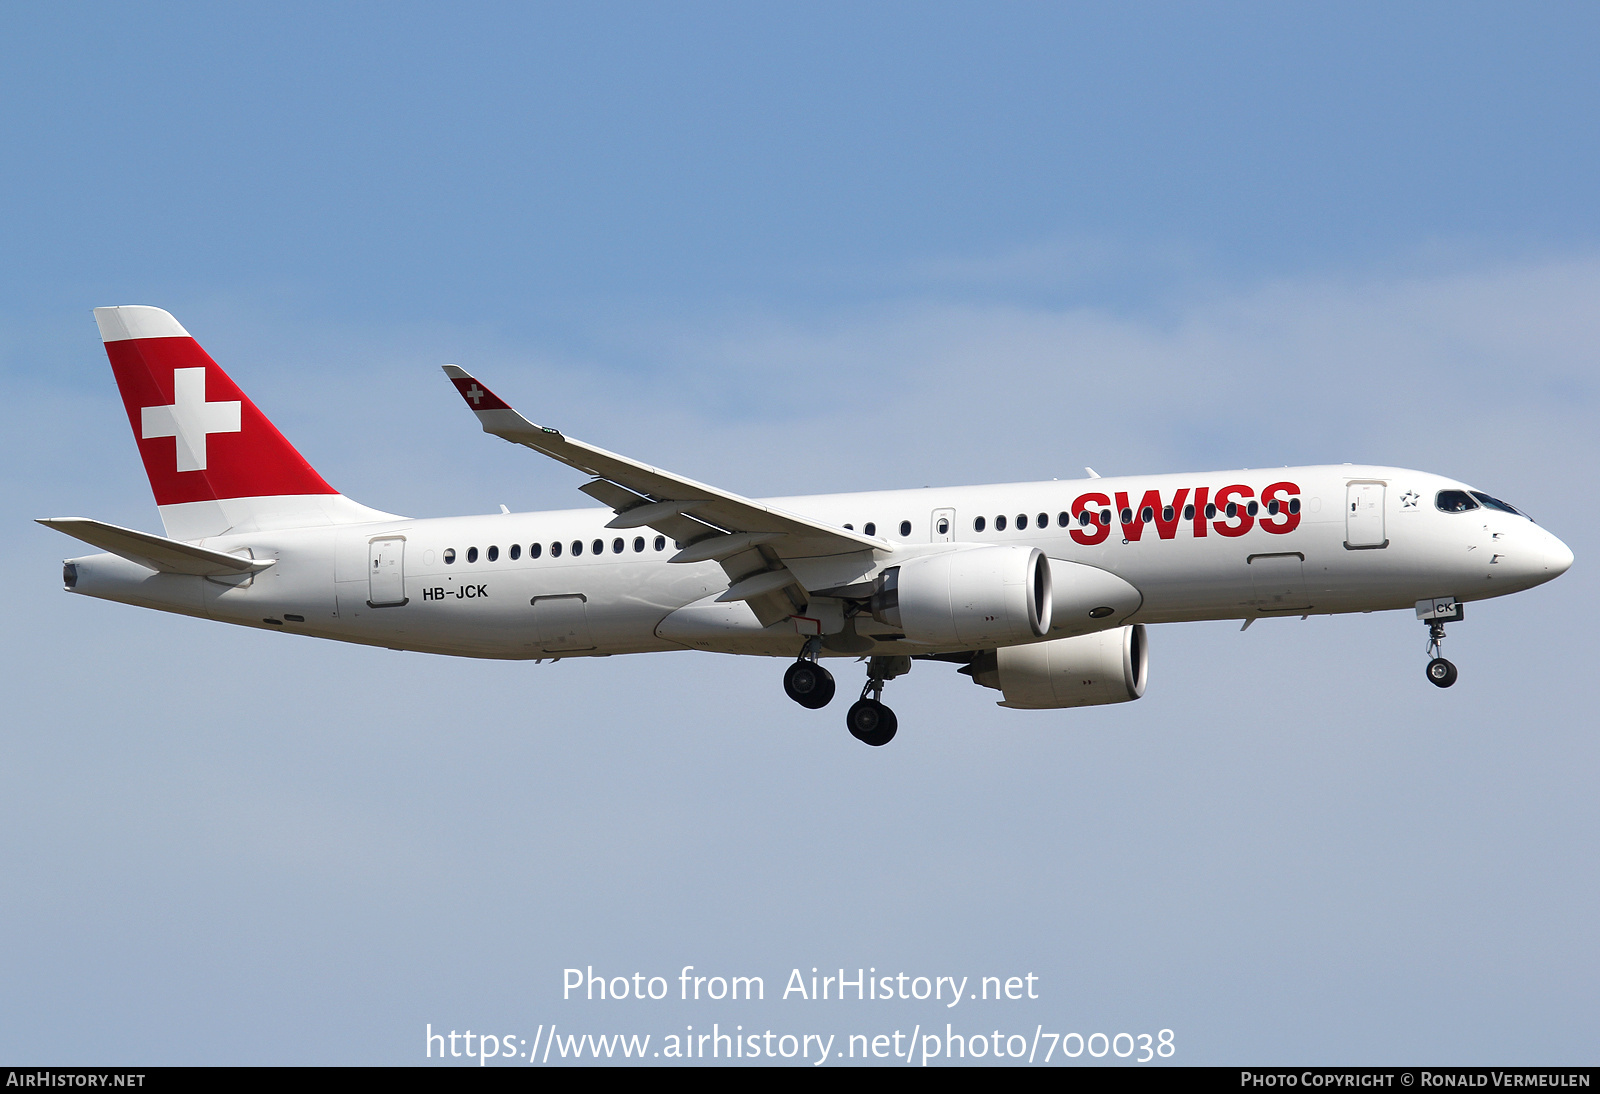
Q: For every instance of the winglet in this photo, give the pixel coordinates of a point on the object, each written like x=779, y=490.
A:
x=477, y=396
x=496, y=415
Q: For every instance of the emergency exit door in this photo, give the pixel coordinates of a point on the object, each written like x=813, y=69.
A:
x=386, y=573
x=943, y=526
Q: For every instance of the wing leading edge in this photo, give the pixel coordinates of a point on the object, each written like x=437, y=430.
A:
x=751, y=541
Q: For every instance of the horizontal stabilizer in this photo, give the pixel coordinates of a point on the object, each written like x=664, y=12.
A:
x=167, y=556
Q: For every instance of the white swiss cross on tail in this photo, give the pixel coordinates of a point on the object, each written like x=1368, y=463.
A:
x=190, y=418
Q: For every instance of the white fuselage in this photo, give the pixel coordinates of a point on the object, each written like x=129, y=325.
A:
x=1362, y=539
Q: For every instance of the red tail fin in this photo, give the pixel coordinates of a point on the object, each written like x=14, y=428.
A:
x=202, y=439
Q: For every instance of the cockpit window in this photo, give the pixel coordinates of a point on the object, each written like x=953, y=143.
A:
x=1454, y=501
x=1496, y=503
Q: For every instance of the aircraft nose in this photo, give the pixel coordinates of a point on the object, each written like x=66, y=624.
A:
x=1539, y=556
x=1555, y=555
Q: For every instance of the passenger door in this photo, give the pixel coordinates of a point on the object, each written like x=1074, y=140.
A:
x=386, y=573
x=1363, y=516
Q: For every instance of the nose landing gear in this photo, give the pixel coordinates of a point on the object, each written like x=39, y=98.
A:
x=1436, y=613
x=869, y=720
x=1441, y=673
x=807, y=682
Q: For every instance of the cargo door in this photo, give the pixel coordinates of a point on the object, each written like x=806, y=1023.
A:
x=562, y=622
x=1279, y=582
x=386, y=573
x=1363, y=516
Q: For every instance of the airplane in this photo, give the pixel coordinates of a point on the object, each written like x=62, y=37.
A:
x=1042, y=591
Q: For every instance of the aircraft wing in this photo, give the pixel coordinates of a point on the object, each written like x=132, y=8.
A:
x=749, y=539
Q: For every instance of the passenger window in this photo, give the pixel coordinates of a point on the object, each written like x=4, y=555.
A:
x=449, y=556
x=1063, y=519
x=1252, y=509
x=661, y=543
x=1167, y=514
x=1147, y=514
x=905, y=528
x=577, y=548
x=598, y=546
x=1211, y=511
x=850, y=527
x=1105, y=517
x=1085, y=518
x=870, y=528
x=944, y=526
x=638, y=544
x=999, y=524
x=1294, y=505
x=1272, y=508
x=516, y=551
x=555, y=549
x=535, y=550
x=494, y=553
x=1022, y=521
x=472, y=554
x=1043, y=520
x=1127, y=516
x=1233, y=509
x=1454, y=501
x=1188, y=512
x=616, y=546
x=978, y=524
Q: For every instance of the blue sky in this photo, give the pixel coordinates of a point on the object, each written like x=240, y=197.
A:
x=815, y=249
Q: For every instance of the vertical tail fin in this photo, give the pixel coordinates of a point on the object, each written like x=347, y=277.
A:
x=215, y=463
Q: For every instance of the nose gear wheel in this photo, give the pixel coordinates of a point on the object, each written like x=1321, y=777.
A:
x=1441, y=673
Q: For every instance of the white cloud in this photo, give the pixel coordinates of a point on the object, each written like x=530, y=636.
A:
x=1459, y=372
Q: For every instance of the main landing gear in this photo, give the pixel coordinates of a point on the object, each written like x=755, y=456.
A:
x=1441, y=673
x=807, y=682
x=811, y=685
x=869, y=720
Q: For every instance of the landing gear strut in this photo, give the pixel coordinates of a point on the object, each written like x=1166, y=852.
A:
x=807, y=682
x=1441, y=673
x=869, y=720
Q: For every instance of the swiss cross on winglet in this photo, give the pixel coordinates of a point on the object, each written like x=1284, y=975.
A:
x=477, y=396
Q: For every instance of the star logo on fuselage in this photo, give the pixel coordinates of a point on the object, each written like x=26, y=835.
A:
x=1409, y=499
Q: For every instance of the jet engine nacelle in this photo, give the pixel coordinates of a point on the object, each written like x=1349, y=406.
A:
x=1086, y=670
x=971, y=596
